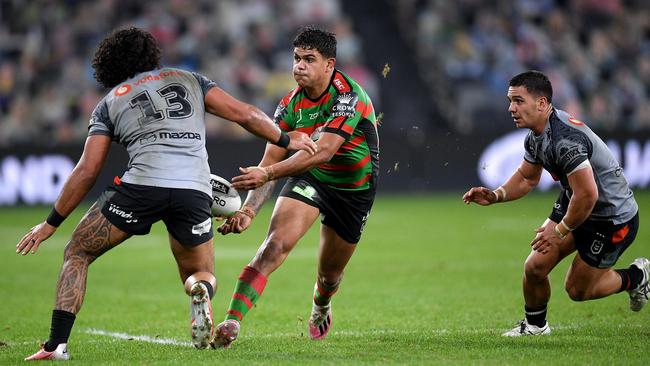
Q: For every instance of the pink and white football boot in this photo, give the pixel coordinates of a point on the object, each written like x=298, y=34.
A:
x=201, y=321
x=227, y=332
x=320, y=321
x=59, y=354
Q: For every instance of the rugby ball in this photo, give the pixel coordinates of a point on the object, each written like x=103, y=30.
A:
x=225, y=198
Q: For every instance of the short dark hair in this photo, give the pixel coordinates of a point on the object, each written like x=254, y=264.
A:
x=123, y=54
x=310, y=37
x=535, y=82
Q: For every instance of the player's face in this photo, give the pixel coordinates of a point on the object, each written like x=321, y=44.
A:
x=526, y=110
x=310, y=67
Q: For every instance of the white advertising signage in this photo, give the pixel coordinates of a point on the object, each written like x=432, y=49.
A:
x=503, y=156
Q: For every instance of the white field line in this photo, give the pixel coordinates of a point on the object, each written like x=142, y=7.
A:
x=344, y=333
x=141, y=338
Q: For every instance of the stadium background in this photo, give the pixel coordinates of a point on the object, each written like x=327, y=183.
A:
x=437, y=72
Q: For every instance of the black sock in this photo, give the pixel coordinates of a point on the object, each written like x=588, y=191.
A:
x=209, y=287
x=630, y=278
x=62, y=322
x=536, y=316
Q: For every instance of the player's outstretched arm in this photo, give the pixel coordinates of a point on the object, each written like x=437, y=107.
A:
x=522, y=181
x=74, y=190
x=243, y=218
x=224, y=105
x=256, y=176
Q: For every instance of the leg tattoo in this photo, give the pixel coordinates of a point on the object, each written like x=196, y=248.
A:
x=91, y=239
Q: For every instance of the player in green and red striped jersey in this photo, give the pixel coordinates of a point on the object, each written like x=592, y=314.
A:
x=337, y=183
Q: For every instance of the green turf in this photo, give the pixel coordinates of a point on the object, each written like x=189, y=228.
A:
x=432, y=282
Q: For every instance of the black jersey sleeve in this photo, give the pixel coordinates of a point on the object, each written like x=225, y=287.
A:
x=100, y=122
x=572, y=150
x=205, y=83
x=529, y=150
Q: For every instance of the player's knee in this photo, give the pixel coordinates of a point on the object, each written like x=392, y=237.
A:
x=576, y=294
x=275, y=249
x=535, y=270
x=575, y=291
x=73, y=249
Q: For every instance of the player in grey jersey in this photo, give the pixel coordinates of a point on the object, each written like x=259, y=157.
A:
x=595, y=214
x=158, y=115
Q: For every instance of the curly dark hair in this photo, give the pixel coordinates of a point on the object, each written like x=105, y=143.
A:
x=310, y=37
x=123, y=54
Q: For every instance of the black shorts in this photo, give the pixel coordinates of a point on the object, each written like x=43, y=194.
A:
x=344, y=211
x=599, y=243
x=133, y=208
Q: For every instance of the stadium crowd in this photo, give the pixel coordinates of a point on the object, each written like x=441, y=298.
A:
x=47, y=90
x=596, y=53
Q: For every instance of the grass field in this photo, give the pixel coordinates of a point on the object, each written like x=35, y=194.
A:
x=432, y=282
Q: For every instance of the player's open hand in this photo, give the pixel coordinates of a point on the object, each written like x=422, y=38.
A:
x=252, y=177
x=236, y=223
x=545, y=239
x=301, y=141
x=33, y=239
x=480, y=195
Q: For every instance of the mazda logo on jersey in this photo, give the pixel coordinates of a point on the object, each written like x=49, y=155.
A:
x=153, y=137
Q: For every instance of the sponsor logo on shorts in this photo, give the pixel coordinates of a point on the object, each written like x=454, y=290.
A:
x=598, y=243
x=128, y=216
x=307, y=191
x=364, y=219
x=202, y=228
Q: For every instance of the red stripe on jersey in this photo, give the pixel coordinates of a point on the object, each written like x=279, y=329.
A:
x=341, y=84
x=356, y=184
x=369, y=109
x=244, y=299
x=346, y=168
x=363, y=109
x=351, y=145
x=305, y=103
x=285, y=101
x=284, y=126
x=308, y=130
x=336, y=122
x=347, y=129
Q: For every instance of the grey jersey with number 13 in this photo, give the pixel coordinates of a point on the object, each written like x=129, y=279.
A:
x=159, y=117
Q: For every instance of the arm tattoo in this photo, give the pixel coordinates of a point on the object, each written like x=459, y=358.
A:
x=257, y=197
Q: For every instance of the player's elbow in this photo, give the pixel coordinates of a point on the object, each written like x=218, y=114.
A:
x=325, y=153
x=87, y=173
x=246, y=117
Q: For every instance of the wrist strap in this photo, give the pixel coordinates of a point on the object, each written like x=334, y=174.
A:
x=284, y=140
x=567, y=227
x=55, y=219
x=245, y=210
x=557, y=231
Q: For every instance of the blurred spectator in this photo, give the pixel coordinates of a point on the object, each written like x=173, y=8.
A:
x=595, y=51
x=47, y=90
